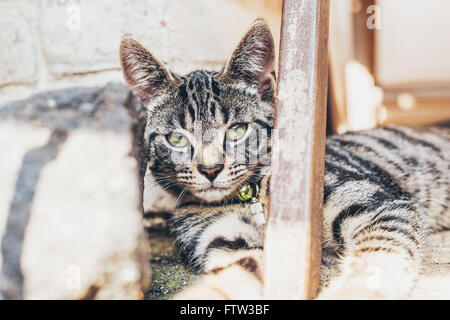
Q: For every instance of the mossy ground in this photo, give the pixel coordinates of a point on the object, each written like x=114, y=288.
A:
x=169, y=275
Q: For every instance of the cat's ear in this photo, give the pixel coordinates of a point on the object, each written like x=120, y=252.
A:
x=253, y=59
x=145, y=74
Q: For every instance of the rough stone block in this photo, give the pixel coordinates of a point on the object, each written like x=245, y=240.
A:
x=70, y=202
x=18, y=49
x=83, y=36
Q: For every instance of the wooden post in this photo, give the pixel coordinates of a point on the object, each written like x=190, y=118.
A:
x=293, y=235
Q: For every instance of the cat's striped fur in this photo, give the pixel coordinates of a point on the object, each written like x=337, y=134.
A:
x=385, y=189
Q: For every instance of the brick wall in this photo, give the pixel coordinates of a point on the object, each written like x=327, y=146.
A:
x=49, y=44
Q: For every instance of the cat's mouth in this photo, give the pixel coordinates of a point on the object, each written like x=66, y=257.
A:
x=213, y=193
x=220, y=190
x=212, y=188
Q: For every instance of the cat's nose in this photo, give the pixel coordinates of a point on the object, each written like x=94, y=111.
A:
x=210, y=172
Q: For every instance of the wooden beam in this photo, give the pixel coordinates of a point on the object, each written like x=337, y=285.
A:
x=293, y=235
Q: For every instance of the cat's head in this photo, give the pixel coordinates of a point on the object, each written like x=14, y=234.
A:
x=207, y=132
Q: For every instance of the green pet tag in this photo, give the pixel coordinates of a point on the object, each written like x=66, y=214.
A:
x=246, y=193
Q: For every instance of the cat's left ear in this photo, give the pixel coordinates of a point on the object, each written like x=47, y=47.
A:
x=253, y=59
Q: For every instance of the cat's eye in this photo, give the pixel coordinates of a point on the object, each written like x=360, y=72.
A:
x=177, y=140
x=236, y=132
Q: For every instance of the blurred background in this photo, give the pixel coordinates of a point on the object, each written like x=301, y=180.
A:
x=48, y=44
x=389, y=63
x=389, y=60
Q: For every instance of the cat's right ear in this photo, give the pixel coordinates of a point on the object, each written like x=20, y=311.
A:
x=253, y=59
x=145, y=74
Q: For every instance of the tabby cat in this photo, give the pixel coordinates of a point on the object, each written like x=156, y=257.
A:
x=207, y=138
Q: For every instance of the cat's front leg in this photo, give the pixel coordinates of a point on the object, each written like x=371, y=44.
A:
x=226, y=247
x=382, y=253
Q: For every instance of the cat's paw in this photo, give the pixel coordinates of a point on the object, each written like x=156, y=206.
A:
x=232, y=283
x=375, y=276
x=351, y=288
